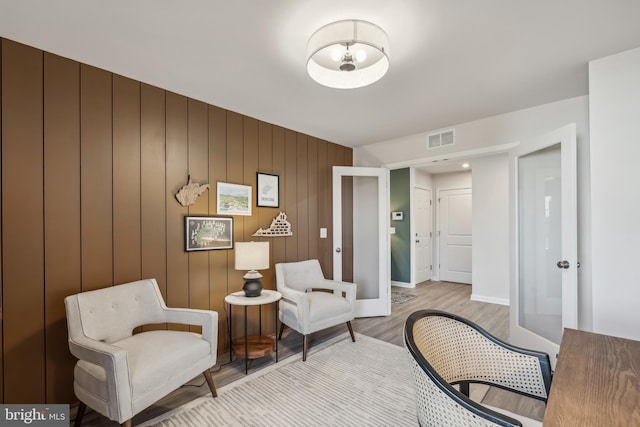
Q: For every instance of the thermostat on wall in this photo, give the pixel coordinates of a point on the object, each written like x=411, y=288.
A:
x=396, y=216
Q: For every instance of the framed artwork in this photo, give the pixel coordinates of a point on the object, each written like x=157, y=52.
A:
x=233, y=199
x=204, y=233
x=268, y=193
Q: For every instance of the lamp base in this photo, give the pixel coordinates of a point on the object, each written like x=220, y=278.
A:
x=252, y=287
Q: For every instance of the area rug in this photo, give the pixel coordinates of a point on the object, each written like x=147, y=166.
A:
x=401, y=297
x=366, y=383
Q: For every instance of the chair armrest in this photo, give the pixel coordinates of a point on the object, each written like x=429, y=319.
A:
x=299, y=299
x=114, y=360
x=208, y=319
x=338, y=287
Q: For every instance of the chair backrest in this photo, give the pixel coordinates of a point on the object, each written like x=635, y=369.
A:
x=445, y=349
x=301, y=275
x=111, y=314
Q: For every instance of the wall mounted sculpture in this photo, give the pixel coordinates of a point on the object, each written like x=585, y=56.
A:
x=190, y=192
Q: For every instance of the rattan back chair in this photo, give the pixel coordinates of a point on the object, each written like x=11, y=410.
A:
x=447, y=350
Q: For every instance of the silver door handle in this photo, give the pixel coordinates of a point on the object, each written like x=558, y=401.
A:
x=338, y=250
x=563, y=264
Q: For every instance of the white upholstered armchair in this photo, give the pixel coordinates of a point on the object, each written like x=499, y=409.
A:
x=119, y=374
x=310, y=302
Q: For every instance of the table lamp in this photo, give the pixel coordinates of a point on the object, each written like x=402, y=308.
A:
x=252, y=256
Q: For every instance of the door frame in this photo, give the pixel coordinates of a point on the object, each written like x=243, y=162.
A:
x=414, y=252
x=566, y=136
x=382, y=305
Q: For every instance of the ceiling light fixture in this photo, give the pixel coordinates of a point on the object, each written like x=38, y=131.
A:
x=348, y=54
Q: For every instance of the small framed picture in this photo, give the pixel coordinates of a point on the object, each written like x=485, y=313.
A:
x=268, y=193
x=233, y=199
x=204, y=233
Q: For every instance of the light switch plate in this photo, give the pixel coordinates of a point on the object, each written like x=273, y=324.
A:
x=323, y=233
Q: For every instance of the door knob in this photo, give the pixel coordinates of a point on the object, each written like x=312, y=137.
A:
x=563, y=264
x=338, y=250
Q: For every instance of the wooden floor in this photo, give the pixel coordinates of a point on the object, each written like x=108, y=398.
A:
x=445, y=296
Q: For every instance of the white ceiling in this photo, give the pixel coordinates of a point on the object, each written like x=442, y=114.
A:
x=452, y=61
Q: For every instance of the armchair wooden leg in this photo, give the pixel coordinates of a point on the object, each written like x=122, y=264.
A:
x=212, y=386
x=353, y=337
x=281, y=330
x=126, y=423
x=305, y=346
x=81, y=410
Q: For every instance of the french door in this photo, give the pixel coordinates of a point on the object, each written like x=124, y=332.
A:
x=544, y=277
x=368, y=189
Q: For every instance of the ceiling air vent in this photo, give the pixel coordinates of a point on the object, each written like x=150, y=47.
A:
x=441, y=139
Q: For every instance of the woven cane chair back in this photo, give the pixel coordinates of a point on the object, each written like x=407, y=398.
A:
x=446, y=350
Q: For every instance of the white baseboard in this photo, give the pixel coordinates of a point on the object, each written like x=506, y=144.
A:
x=402, y=284
x=492, y=300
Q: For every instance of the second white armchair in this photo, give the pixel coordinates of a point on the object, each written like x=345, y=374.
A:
x=310, y=302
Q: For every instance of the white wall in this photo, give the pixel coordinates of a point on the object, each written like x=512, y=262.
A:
x=614, y=88
x=506, y=129
x=490, y=276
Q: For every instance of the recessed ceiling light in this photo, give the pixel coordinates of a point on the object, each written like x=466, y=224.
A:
x=465, y=165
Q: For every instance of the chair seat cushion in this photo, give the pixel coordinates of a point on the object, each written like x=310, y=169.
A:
x=153, y=358
x=325, y=305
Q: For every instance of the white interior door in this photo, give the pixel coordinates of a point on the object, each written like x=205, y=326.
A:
x=544, y=278
x=455, y=223
x=423, y=223
x=371, y=247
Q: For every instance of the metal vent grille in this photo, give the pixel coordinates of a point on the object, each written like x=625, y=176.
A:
x=441, y=139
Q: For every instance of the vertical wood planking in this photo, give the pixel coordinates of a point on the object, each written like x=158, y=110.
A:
x=249, y=166
x=278, y=142
x=96, y=178
x=199, y=172
x=153, y=186
x=126, y=180
x=312, y=197
x=22, y=224
x=235, y=175
x=218, y=277
x=177, y=171
x=106, y=156
x=265, y=215
x=291, y=189
x=331, y=161
x=62, y=215
x=324, y=208
x=302, y=197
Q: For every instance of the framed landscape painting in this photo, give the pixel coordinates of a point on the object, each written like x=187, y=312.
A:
x=204, y=233
x=233, y=199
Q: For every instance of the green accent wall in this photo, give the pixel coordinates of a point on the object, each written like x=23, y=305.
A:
x=400, y=199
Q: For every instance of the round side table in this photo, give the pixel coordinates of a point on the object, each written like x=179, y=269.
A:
x=255, y=346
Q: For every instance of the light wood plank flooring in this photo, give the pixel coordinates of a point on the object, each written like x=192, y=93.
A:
x=445, y=296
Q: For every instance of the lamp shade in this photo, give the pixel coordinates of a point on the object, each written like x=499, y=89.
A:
x=348, y=54
x=252, y=255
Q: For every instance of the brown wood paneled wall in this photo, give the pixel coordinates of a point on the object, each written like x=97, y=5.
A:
x=91, y=162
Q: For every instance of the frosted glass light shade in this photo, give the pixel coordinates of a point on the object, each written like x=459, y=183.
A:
x=348, y=54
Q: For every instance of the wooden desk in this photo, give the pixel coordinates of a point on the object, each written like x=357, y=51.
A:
x=596, y=382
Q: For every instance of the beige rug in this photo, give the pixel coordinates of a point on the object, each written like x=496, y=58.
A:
x=366, y=383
